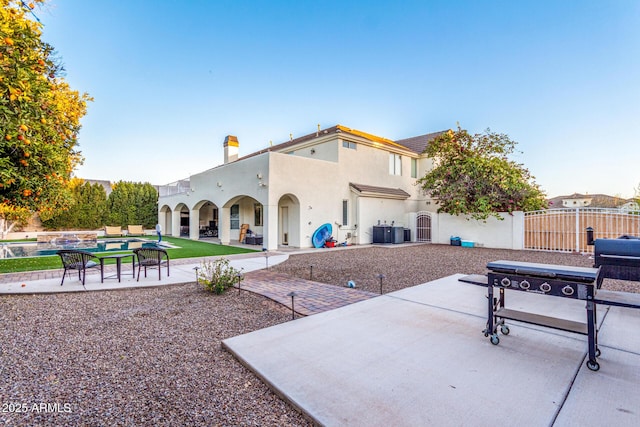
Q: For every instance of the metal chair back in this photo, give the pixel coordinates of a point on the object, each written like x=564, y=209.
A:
x=73, y=259
x=151, y=258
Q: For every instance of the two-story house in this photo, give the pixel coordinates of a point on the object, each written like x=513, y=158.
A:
x=341, y=176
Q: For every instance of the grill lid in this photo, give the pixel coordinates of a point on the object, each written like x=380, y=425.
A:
x=562, y=272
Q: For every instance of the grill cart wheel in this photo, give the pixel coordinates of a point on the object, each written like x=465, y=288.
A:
x=594, y=366
x=495, y=340
x=504, y=329
x=597, y=352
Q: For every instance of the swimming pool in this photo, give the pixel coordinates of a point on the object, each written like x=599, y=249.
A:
x=26, y=249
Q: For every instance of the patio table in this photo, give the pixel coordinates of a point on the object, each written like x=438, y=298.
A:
x=118, y=258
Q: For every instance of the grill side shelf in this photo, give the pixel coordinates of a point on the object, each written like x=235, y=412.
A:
x=475, y=279
x=540, y=320
x=615, y=298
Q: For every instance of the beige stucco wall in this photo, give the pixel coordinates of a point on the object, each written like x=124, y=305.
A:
x=507, y=233
x=311, y=188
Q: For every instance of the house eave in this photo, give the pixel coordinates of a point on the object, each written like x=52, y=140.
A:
x=379, y=192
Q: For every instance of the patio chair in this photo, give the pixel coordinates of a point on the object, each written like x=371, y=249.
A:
x=151, y=258
x=110, y=231
x=135, y=230
x=77, y=260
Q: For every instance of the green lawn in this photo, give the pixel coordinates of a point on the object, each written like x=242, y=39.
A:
x=186, y=249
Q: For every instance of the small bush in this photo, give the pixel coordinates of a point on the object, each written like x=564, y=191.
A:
x=217, y=276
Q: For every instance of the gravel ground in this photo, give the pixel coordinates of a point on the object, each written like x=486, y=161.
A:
x=153, y=356
x=134, y=357
x=410, y=265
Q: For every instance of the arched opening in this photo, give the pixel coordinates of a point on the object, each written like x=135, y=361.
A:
x=289, y=221
x=182, y=212
x=164, y=219
x=423, y=227
x=208, y=219
x=246, y=220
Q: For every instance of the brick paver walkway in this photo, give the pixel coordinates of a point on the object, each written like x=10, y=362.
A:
x=311, y=297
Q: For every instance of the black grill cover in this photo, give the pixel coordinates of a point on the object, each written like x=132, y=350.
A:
x=561, y=272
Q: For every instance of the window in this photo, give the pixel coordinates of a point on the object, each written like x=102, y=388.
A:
x=235, y=217
x=345, y=212
x=414, y=168
x=395, y=164
x=349, y=144
x=257, y=209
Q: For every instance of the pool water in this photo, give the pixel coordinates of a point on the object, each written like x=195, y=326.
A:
x=22, y=249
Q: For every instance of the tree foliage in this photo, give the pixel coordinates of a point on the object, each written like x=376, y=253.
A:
x=473, y=175
x=87, y=209
x=91, y=209
x=133, y=203
x=39, y=121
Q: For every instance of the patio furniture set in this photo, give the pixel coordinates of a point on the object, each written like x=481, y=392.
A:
x=81, y=261
x=248, y=237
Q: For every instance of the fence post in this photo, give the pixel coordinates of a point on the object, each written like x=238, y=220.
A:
x=577, y=230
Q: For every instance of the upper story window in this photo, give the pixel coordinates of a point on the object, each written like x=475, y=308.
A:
x=395, y=164
x=414, y=168
x=349, y=144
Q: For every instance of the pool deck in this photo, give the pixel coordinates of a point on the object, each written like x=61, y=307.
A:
x=180, y=271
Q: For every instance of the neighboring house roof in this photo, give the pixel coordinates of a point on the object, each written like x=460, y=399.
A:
x=419, y=143
x=597, y=200
x=373, y=191
x=104, y=183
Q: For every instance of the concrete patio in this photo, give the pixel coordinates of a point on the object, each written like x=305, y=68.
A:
x=418, y=357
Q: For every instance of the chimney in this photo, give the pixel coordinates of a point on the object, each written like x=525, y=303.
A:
x=230, y=149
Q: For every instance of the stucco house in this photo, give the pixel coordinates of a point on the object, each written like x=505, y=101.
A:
x=341, y=176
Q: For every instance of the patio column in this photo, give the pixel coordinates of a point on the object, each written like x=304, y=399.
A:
x=194, y=224
x=175, y=223
x=224, y=225
x=270, y=230
x=163, y=217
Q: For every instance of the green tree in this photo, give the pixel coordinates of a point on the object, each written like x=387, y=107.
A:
x=91, y=202
x=87, y=209
x=473, y=175
x=148, y=205
x=39, y=121
x=133, y=203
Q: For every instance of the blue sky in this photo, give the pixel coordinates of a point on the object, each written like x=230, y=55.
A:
x=170, y=79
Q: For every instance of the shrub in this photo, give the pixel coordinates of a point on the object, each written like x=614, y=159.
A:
x=217, y=276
